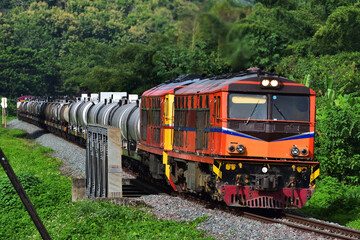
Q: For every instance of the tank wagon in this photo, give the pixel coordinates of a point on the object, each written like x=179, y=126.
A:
x=245, y=138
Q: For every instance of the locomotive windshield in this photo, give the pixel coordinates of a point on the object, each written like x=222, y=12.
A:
x=283, y=107
x=292, y=108
x=246, y=106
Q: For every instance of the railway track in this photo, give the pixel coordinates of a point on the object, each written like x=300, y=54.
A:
x=326, y=230
x=134, y=188
x=322, y=228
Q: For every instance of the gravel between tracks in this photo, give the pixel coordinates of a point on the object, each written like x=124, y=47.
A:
x=219, y=225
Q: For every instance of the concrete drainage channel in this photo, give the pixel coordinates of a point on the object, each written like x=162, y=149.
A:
x=134, y=188
x=131, y=190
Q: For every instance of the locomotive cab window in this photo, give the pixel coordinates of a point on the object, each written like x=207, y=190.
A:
x=290, y=108
x=247, y=106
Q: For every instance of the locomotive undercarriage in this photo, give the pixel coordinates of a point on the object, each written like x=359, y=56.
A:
x=265, y=185
x=187, y=176
x=194, y=177
x=239, y=184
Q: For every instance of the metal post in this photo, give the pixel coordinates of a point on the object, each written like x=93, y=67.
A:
x=4, y=106
x=4, y=117
x=23, y=196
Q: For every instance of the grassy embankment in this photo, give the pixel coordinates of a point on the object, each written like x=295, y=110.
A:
x=50, y=192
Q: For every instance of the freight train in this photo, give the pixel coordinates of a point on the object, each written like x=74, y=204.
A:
x=244, y=138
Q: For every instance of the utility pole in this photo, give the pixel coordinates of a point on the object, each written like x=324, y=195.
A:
x=23, y=196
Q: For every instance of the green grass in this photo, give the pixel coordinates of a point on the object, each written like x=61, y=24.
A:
x=50, y=192
x=335, y=202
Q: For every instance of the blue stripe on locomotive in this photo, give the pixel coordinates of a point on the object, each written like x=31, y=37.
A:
x=239, y=134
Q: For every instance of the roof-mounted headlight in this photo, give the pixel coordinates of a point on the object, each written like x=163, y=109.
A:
x=265, y=82
x=274, y=83
x=269, y=83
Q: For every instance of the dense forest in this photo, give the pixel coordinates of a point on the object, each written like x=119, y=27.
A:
x=64, y=47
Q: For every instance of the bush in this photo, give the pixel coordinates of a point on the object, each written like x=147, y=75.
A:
x=337, y=139
x=334, y=201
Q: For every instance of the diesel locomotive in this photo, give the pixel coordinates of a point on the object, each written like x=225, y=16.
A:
x=245, y=138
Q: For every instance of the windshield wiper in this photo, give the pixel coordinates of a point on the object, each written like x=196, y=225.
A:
x=279, y=111
x=252, y=112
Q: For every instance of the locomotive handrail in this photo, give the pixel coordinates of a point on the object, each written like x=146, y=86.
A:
x=300, y=161
x=270, y=120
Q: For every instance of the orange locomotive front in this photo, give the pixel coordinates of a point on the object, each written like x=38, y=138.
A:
x=245, y=138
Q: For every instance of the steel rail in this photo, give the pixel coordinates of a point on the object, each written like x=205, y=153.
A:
x=309, y=225
x=346, y=233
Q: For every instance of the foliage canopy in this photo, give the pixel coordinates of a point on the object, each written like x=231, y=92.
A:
x=58, y=47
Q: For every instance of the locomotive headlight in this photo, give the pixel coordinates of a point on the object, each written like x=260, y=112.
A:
x=264, y=169
x=295, y=151
x=304, y=151
x=231, y=148
x=274, y=83
x=265, y=82
x=240, y=148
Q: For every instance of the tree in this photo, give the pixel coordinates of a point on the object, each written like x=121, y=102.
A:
x=341, y=69
x=340, y=33
x=24, y=71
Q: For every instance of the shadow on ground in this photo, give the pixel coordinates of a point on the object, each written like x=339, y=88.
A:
x=36, y=134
